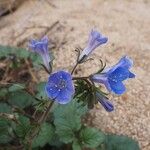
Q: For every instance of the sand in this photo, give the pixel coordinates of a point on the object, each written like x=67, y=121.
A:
x=125, y=23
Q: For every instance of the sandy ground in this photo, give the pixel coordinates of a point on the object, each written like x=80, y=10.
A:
x=126, y=23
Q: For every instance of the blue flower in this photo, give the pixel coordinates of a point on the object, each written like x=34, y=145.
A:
x=60, y=87
x=95, y=40
x=105, y=102
x=113, y=77
x=41, y=47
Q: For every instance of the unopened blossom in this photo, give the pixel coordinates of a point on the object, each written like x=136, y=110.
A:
x=95, y=39
x=60, y=87
x=41, y=47
x=114, y=76
x=104, y=102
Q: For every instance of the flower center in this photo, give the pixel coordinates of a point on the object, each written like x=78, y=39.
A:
x=62, y=84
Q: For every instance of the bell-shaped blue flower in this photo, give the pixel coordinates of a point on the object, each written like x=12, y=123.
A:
x=41, y=47
x=105, y=102
x=60, y=87
x=114, y=76
x=95, y=40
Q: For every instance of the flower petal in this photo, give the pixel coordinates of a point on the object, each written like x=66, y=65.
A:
x=53, y=79
x=124, y=62
x=64, y=96
x=65, y=75
x=105, y=102
x=70, y=87
x=102, y=40
x=117, y=88
x=107, y=105
x=60, y=87
x=41, y=47
x=99, y=78
x=131, y=75
x=119, y=74
x=52, y=92
x=95, y=40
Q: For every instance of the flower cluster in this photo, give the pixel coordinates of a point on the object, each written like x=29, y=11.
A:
x=60, y=85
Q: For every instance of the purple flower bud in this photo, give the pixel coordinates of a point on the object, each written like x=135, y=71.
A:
x=113, y=77
x=41, y=47
x=105, y=102
x=60, y=87
x=95, y=40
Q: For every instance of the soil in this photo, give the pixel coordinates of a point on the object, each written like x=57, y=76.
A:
x=67, y=24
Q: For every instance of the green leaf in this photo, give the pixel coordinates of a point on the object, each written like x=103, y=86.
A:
x=4, y=108
x=65, y=134
x=19, y=52
x=3, y=92
x=16, y=87
x=4, y=51
x=67, y=119
x=21, y=99
x=22, y=53
x=91, y=137
x=116, y=142
x=5, y=138
x=84, y=92
x=23, y=128
x=76, y=145
x=4, y=131
x=36, y=59
x=55, y=141
x=45, y=135
x=41, y=90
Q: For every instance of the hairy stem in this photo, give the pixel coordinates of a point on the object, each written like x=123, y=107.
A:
x=74, y=68
x=41, y=120
x=80, y=78
x=45, y=114
x=83, y=78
